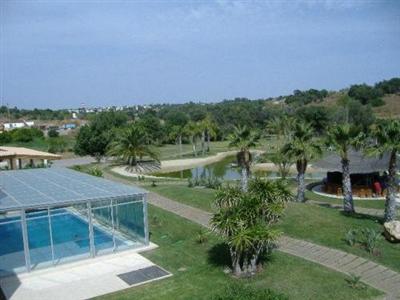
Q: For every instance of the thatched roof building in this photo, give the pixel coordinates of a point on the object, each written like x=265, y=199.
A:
x=359, y=163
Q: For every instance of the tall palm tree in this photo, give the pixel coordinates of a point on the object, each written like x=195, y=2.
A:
x=243, y=139
x=176, y=133
x=209, y=130
x=132, y=144
x=387, y=136
x=343, y=137
x=193, y=131
x=302, y=146
x=281, y=126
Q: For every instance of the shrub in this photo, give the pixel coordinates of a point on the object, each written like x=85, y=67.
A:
x=355, y=282
x=370, y=239
x=366, y=237
x=190, y=183
x=351, y=237
x=5, y=138
x=56, y=145
x=238, y=291
x=95, y=172
x=23, y=135
x=52, y=133
x=77, y=168
x=201, y=237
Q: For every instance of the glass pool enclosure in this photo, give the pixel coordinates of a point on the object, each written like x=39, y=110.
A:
x=56, y=215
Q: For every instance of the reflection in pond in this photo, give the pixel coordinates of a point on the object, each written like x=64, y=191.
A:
x=226, y=169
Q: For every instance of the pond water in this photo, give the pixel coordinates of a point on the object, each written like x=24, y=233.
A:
x=225, y=170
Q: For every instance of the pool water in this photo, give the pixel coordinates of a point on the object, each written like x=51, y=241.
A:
x=224, y=170
x=70, y=233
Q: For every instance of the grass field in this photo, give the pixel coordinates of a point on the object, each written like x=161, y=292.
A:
x=321, y=225
x=326, y=226
x=198, y=268
x=378, y=204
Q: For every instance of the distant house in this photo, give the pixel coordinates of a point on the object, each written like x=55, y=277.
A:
x=19, y=124
x=69, y=126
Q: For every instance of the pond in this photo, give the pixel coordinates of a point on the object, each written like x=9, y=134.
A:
x=226, y=169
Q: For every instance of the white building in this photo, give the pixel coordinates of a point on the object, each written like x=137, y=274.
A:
x=20, y=124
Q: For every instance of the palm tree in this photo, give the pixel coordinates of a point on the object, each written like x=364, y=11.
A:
x=283, y=162
x=281, y=126
x=176, y=133
x=387, y=136
x=302, y=146
x=243, y=139
x=132, y=143
x=209, y=130
x=193, y=130
x=244, y=220
x=342, y=138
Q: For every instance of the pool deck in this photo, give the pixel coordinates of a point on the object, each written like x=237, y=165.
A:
x=79, y=280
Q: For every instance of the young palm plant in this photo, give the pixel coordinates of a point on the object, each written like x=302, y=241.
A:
x=244, y=220
x=344, y=137
x=132, y=144
x=243, y=139
x=302, y=146
x=387, y=136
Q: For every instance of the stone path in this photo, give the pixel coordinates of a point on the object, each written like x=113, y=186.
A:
x=373, y=274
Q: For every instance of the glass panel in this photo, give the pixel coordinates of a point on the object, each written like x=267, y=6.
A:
x=129, y=223
x=102, y=227
x=70, y=231
x=12, y=257
x=39, y=238
x=132, y=198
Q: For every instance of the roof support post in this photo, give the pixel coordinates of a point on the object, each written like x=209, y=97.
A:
x=91, y=235
x=11, y=166
x=25, y=241
x=112, y=224
x=145, y=220
x=51, y=237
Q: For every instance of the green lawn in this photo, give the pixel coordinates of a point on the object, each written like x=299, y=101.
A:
x=326, y=226
x=198, y=268
x=378, y=204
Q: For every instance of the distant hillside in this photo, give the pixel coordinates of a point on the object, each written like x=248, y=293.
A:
x=391, y=108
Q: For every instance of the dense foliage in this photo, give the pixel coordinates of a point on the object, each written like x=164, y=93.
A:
x=244, y=220
x=306, y=97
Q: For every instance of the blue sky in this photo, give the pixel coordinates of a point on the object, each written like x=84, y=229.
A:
x=63, y=53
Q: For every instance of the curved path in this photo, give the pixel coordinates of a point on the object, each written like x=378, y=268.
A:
x=371, y=273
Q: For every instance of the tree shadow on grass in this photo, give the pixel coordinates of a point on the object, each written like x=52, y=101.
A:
x=219, y=255
x=361, y=216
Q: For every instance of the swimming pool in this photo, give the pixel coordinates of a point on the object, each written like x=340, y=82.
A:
x=68, y=236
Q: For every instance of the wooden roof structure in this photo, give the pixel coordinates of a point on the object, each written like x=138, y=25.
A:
x=25, y=153
x=359, y=163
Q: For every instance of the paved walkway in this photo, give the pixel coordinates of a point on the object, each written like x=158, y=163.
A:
x=69, y=162
x=77, y=280
x=371, y=273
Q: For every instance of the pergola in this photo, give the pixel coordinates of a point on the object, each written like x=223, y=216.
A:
x=49, y=216
x=15, y=155
x=364, y=171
